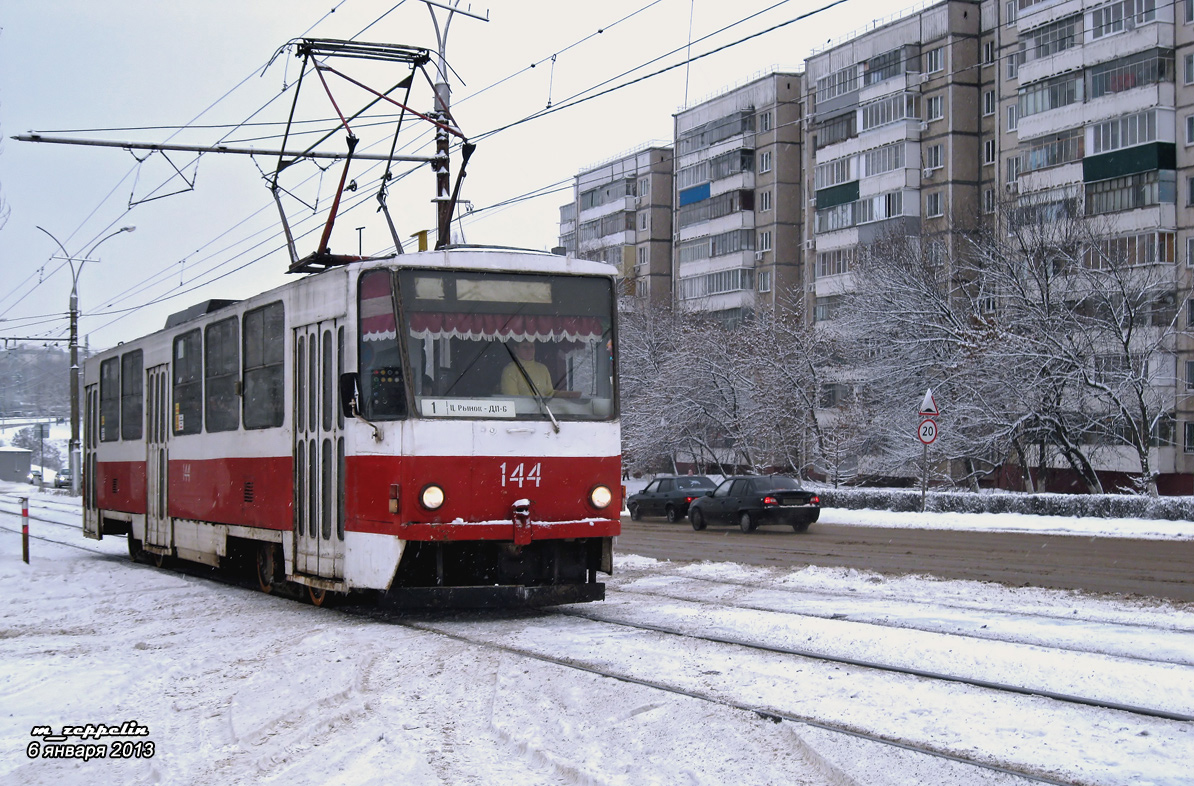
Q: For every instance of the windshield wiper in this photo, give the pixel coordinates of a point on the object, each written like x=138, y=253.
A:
x=534, y=389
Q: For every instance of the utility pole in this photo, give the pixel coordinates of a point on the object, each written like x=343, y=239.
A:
x=443, y=117
x=74, y=458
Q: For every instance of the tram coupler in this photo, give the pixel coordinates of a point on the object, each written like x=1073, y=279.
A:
x=521, y=512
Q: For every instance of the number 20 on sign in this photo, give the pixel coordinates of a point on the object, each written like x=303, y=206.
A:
x=927, y=431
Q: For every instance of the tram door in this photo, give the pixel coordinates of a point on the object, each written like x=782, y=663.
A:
x=157, y=426
x=91, y=518
x=318, y=451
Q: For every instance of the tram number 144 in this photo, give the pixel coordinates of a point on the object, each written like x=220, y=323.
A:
x=518, y=474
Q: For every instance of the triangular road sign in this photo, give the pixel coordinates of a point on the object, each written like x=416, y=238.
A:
x=928, y=407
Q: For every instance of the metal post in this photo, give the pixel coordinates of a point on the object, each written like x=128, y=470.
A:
x=73, y=460
x=25, y=529
x=924, y=480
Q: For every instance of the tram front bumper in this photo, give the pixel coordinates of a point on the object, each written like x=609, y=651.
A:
x=498, y=596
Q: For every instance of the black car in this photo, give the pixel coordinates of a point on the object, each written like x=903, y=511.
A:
x=751, y=500
x=668, y=497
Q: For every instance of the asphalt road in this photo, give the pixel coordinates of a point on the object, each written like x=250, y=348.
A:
x=1151, y=568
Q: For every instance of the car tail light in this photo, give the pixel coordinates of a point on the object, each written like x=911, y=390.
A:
x=815, y=500
x=689, y=499
x=770, y=501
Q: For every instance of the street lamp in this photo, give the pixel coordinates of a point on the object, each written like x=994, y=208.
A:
x=74, y=349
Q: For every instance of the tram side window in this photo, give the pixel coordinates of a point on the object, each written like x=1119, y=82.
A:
x=264, y=352
x=187, y=416
x=132, y=396
x=109, y=425
x=383, y=392
x=221, y=370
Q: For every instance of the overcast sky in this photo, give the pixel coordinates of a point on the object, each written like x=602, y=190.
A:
x=136, y=70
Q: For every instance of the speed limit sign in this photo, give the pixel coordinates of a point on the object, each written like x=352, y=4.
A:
x=927, y=431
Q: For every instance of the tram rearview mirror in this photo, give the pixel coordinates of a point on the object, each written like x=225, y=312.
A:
x=348, y=393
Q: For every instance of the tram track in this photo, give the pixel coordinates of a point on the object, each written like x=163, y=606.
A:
x=877, y=619
x=457, y=627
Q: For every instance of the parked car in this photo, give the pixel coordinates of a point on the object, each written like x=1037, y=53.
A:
x=62, y=479
x=751, y=500
x=35, y=477
x=668, y=497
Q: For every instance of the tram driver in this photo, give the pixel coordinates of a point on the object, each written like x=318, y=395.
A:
x=514, y=382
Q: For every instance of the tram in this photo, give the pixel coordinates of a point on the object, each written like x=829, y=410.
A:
x=436, y=428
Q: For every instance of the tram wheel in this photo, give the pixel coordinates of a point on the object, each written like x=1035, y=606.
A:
x=134, y=548
x=318, y=595
x=158, y=559
x=266, y=567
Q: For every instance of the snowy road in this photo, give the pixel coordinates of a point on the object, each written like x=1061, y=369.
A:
x=238, y=687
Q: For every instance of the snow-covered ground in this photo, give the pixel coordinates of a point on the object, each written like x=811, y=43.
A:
x=239, y=687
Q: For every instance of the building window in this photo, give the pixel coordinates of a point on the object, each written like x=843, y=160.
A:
x=834, y=172
x=988, y=103
x=642, y=220
x=1115, y=17
x=988, y=52
x=1054, y=150
x=934, y=205
x=1188, y=68
x=935, y=108
x=836, y=262
x=644, y=186
x=1189, y=4
x=641, y=253
x=1190, y=251
x=764, y=201
x=1010, y=11
x=1013, y=64
x=1128, y=131
x=1126, y=73
x=988, y=152
x=823, y=308
x=1013, y=169
x=765, y=241
x=935, y=60
x=989, y=200
x=1012, y=118
x=883, y=159
x=900, y=106
x=1048, y=40
x=765, y=121
x=1189, y=324
x=763, y=280
x=1190, y=126
x=1189, y=448
x=933, y=157
x=1049, y=94
x=1130, y=192
x=765, y=161
x=1190, y=192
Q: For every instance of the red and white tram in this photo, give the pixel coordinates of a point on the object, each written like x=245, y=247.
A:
x=440, y=427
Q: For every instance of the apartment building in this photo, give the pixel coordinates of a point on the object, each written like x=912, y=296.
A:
x=621, y=213
x=738, y=210
x=891, y=140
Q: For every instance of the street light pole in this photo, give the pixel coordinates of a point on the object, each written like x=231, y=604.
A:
x=74, y=462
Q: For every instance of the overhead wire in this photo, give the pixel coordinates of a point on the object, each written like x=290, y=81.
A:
x=578, y=98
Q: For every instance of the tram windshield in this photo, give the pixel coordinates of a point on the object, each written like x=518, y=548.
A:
x=488, y=345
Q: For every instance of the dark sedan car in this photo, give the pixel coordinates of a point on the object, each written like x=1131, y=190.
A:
x=668, y=497
x=751, y=500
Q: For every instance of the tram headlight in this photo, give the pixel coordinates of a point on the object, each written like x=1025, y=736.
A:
x=600, y=496
x=432, y=497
